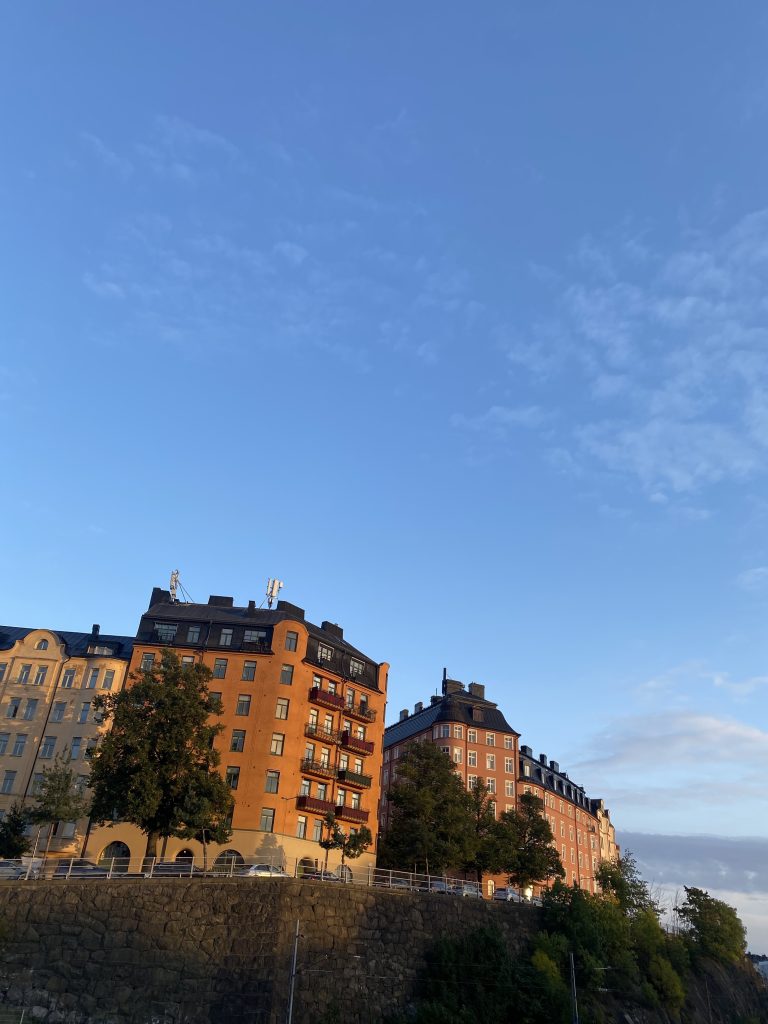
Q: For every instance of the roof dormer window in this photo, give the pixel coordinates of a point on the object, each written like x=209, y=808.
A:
x=41, y=645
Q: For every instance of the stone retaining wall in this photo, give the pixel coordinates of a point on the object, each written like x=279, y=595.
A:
x=219, y=951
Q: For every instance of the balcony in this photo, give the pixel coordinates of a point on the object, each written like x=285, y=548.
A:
x=354, y=743
x=325, y=699
x=354, y=778
x=310, y=767
x=361, y=712
x=355, y=814
x=314, y=806
x=318, y=732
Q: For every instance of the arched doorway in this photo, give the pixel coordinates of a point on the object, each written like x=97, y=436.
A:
x=228, y=862
x=306, y=867
x=117, y=857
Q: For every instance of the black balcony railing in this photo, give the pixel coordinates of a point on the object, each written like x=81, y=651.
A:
x=352, y=742
x=356, y=814
x=310, y=767
x=315, y=806
x=355, y=778
x=319, y=732
x=326, y=699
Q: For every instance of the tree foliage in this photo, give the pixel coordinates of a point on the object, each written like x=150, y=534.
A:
x=431, y=828
x=525, y=844
x=486, y=838
x=58, y=797
x=714, y=928
x=14, y=842
x=156, y=767
x=620, y=879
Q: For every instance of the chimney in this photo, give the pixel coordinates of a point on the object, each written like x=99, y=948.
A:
x=452, y=686
x=543, y=759
x=291, y=609
x=554, y=766
x=95, y=629
x=159, y=596
x=216, y=601
x=251, y=606
x=419, y=707
x=526, y=751
x=333, y=628
x=403, y=714
x=477, y=690
x=435, y=699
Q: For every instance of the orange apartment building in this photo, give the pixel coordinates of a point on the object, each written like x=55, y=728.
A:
x=481, y=743
x=303, y=717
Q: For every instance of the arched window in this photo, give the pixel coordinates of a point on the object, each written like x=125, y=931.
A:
x=228, y=862
x=116, y=856
x=41, y=645
x=185, y=854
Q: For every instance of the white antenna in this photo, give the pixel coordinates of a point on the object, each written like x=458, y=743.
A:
x=174, y=584
x=273, y=589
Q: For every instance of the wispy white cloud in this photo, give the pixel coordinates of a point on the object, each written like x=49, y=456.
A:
x=753, y=580
x=106, y=156
x=291, y=252
x=105, y=289
x=499, y=419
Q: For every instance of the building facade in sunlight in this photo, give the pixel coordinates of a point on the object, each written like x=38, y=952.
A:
x=477, y=737
x=48, y=682
x=303, y=717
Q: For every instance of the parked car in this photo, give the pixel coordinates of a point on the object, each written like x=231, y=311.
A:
x=262, y=871
x=439, y=886
x=79, y=868
x=392, y=883
x=468, y=889
x=174, y=869
x=508, y=895
x=12, y=870
x=321, y=876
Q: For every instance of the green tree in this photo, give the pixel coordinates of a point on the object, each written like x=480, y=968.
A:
x=206, y=813
x=431, y=826
x=354, y=844
x=58, y=797
x=158, y=754
x=621, y=880
x=331, y=836
x=526, y=851
x=486, y=852
x=714, y=928
x=14, y=842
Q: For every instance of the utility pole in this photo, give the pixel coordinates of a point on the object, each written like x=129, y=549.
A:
x=292, y=984
x=574, y=1003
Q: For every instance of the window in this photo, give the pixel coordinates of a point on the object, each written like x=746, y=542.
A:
x=3, y=669
x=324, y=652
x=317, y=830
x=331, y=686
x=341, y=797
x=215, y=697
x=509, y=742
x=458, y=732
x=457, y=755
x=18, y=745
x=356, y=668
x=13, y=707
x=243, y=705
x=272, y=783
x=301, y=827
x=4, y=737
x=445, y=730
x=41, y=645
x=85, y=709
x=527, y=771
x=193, y=634
x=166, y=631
x=90, y=682
x=59, y=710
x=186, y=659
x=249, y=671
x=490, y=762
x=68, y=679
x=471, y=781
x=219, y=668
x=30, y=710
x=37, y=781
x=356, y=801
x=509, y=788
x=147, y=661
x=349, y=697
x=446, y=750
x=24, y=673
x=490, y=739
x=225, y=637
x=286, y=675
x=491, y=784
x=360, y=732
x=305, y=787
x=509, y=765
x=255, y=636
x=291, y=640
x=40, y=675
x=267, y=822
x=232, y=776
x=238, y=741
x=9, y=778
x=77, y=742
x=471, y=735
x=100, y=649
x=109, y=678
x=48, y=747
x=322, y=791
x=472, y=758
x=277, y=743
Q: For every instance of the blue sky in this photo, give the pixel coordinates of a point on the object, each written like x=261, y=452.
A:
x=453, y=320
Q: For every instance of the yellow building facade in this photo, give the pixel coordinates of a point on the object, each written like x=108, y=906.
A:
x=49, y=680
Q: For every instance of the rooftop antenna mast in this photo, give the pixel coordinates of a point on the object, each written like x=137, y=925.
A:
x=173, y=585
x=273, y=589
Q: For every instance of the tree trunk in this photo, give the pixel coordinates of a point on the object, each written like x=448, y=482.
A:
x=205, y=853
x=152, y=840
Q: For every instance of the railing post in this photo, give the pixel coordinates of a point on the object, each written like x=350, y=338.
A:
x=69, y=869
x=111, y=868
x=152, y=867
x=191, y=866
x=231, y=866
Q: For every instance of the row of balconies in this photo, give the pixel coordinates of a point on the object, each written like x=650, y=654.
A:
x=329, y=771
x=344, y=738
x=335, y=702
x=341, y=811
